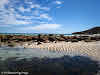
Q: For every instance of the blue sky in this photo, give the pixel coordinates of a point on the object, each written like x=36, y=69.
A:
x=48, y=16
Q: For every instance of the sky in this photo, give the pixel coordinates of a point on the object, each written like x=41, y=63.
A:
x=48, y=16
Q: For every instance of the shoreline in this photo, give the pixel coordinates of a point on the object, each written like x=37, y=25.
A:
x=69, y=48
x=70, y=45
x=90, y=49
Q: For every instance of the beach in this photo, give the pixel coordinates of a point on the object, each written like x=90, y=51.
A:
x=47, y=54
x=49, y=37
x=56, y=58
x=68, y=48
x=85, y=45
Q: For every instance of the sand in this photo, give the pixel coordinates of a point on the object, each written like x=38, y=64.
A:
x=68, y=48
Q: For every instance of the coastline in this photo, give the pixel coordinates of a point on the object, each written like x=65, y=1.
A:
x=68, y=48
x=66, y=45
x=48, y=52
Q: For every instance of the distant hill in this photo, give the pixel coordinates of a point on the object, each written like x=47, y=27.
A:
x=95, y=30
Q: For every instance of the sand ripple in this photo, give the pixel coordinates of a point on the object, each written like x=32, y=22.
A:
x=68, y=48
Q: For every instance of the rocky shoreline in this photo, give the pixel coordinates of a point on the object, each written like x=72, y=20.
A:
x=12, y=40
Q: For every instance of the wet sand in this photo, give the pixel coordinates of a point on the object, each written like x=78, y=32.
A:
x=28, y=58
x=91, y=49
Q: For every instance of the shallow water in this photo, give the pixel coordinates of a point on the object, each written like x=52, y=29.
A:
x=12, y=59
x=20, y=53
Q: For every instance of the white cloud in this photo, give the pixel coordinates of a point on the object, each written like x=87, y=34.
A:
x=22, y=9
x=58, y=2
x=34, y=6
x=12, y=10
x=43, y=27
x=22, y=22
x=36, y=12
x=39, y=7
x=38, y=16
x=45, y=8
x=2, y=2
x=11, y=20
x=45, y=16
x=13, y=17
x=58, y=7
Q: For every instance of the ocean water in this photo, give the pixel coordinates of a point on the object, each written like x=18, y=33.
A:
x=32, y=34
x=20, y=34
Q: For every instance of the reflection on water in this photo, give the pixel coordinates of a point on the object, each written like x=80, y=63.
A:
x=77, y=65
x=7, y=52
x=45, y=62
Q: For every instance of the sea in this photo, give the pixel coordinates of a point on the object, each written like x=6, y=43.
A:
x=34, y=34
